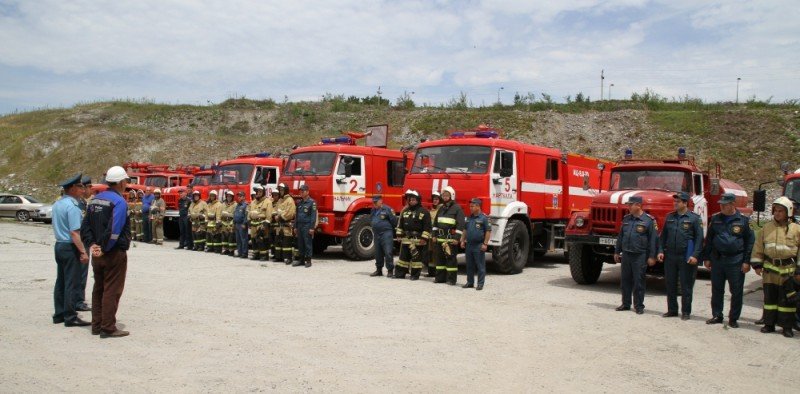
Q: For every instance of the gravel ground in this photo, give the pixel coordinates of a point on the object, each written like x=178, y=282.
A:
x=202, y=322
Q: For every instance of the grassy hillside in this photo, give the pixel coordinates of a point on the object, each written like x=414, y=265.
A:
x=42, y=147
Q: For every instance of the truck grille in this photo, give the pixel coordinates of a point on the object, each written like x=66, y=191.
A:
x=171, y=201
x=604, y=220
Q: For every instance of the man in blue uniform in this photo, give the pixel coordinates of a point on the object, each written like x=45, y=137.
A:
x=383, y=223
x=70, y=252
x=679, y=249
x=147, y=200
x=184, y=227
x=83, y=201
x=240, y=225
x=305, y=223
x=636, y=247
x=729, y=243
x=475, y=242
x=107, y=229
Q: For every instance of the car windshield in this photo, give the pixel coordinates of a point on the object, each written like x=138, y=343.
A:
x=238, y=174
x=31, y=199
x=156, y=181
x=202, y=180
x=464, y=159
x=310, y=163
x=675, y=181
x=792, y=190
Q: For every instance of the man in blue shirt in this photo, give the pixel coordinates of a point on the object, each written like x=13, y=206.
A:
x=70, y=253
x=475, y=242
x=383, y=222
x=147, y=200
x=240, y=225
x=107, y=229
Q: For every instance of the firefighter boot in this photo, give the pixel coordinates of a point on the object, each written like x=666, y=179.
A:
x=452, y=277
x=400, y=272
x=378, y=272
x=431, y=272
x=308, y=264
x=255, y=255
x=415, y=273
x=299, y=262
x=390, y=273
x=441, y=275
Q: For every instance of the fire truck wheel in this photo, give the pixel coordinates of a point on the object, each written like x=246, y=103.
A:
x=358, y=245
x=512, y=255
x=584, y=266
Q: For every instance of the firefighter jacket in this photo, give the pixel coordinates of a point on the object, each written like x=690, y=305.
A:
x=198, y=210
x=214, y=211
x=137, y=208
x=729, y=239
x=434, y=212
x=226, y=213
x=415, y=222
x=285, y=209
x=449, y=221
x=260, y=211
x=777, y=249
x=306, y=215
x=157, y=209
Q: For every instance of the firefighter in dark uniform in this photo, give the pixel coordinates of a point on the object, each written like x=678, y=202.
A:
x=433, y=249
x=305, y=223
x=414, y=231
x=240, y=225
x=679, y=248
x=636, y=247
x=447, y=230
x=475, y=242
x=729, y=244
x=183, y=221
x=383, y=222
x=775, y=256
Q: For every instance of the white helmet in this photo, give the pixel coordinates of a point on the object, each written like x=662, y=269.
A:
x=436, y=194
x=212, y=193
x=116, y=174
x=787, y=203
x=450, y=190
x=229, y=193
x=411, y=193
x=258, y=187
x=157, y=191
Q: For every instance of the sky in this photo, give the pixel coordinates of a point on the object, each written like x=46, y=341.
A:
x=60, y=53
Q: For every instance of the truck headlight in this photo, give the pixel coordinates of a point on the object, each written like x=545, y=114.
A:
x=323, y=220
x=580, y=222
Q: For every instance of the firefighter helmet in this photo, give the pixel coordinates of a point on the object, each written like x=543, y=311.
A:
x=450, y=190
x=212, y=193
x=229, y=193
x=787, y=203
x=411, y=193
x=258, y=187
x=157, y=191
x=436, y=194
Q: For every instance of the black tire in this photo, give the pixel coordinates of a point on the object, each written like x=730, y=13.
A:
x=47, y=221
x=539, y=253
x=514, y=251
x=23, y=215
x=359, y=244
x=584, y=266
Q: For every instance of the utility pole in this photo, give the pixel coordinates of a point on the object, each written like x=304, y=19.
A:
x=602, y=83
x=609, y=91
x=379, y=94
x=737, y=90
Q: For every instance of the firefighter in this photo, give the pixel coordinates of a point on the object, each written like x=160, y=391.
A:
x=305, y=223
x=447, y=230
x=197, y=214
x=275, y=238
x=432, y=255
x=259, y=213
x=679, y=248
x=213, y=224
x=240, y=225
x=475, y=242
x=226, y=230
x=157, y=209
x=185, y=240
x=635, y=250
x=147, y=200
x=285, y=212
x=414, y=231
x=383, y=223
x=136, y=220
x=774, y=258
x=727, y=252
x=132, y=212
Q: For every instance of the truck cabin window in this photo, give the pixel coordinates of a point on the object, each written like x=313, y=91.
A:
x=233, y=174
x=454, y=159
x=674, y=181
x=310, y=163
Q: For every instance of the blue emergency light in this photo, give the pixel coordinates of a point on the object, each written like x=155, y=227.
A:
x=337, y=140
x=681, y=153
x=263, y=154
x=475, y=134
x=628, y=153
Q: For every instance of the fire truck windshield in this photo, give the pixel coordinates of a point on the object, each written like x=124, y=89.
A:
x=310, y=163
x=156, y=181
x=466, y=159
x=792, y=190
x=236, y=174
x=202, y=180
x=675, y=181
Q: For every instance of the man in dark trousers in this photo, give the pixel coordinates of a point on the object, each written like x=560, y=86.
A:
x=183, y=221
x=107, y=229
x=679, y=248
x=80, y=295
x=240, y=225
x=383, y=222
x=305, y=224
x=475, y=242
x=635, y=250
x=447, y=229
x=414, y=231
x=729, y=244
x=147, y=200
x=70, y=253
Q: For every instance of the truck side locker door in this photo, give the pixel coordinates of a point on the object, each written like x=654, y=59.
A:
x=346, y=189
x=554, y=200
x=503, y=180
x=699, y=199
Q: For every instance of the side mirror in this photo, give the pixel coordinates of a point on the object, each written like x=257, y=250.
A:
x=760, y=200
x=348, y=166
x=506, y=164
x=586, y=182
x=714, y=186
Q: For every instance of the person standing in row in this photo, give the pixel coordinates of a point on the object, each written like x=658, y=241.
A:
x=727, y=251
x=157, y=209
x=240, y=225
x=80, y=296
x=70, y=253
x=137, y=226
x=147, y=200
x=447, y=230
x=183, y=220
x=414, y=231
x=383, y=222
x=679, y=248
x=775, y=255
x=635, y=250
x=227, y=238
x=475, y=243
x=286, y=212
x=197, y=213
x=260, y=213
x=107, y=229
x=432, y=255
x=305, y=223
x=275, y=233
x=213, y=212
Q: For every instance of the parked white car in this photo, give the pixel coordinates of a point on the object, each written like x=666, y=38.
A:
x=22, y=207
x=44, y=214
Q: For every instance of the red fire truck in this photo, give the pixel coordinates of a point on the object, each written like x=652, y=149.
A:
x=529, y=191
x=342, y=178
x=591, y=234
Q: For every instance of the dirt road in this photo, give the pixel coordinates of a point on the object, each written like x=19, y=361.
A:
x=202, y=322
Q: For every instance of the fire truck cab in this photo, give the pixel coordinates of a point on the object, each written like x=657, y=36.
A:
x=342, y=178
x=592, y=234
x=528, y=191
